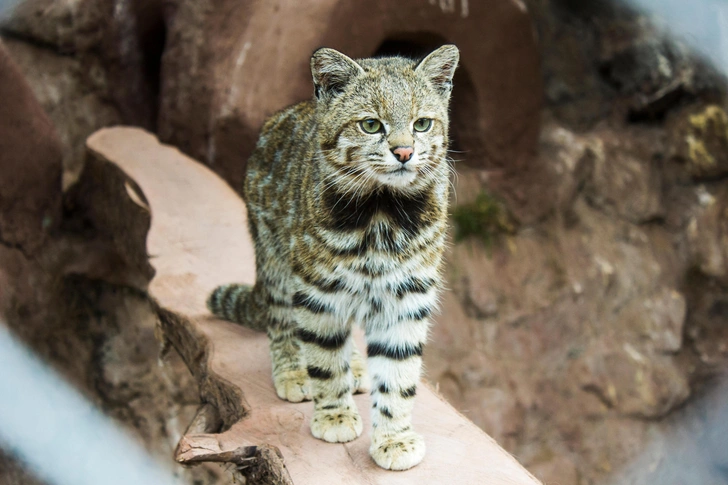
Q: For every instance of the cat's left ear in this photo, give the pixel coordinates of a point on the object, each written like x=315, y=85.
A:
x=332, y=71
x=439, y=67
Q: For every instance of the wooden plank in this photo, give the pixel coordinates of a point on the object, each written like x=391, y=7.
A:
x=199, y=240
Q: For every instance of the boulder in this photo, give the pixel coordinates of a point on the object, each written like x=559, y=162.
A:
x=30, y=164
x=90, y=63
x=626, y=177
x=634, y=381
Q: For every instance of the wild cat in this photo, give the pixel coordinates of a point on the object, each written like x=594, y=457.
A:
x=347, y=196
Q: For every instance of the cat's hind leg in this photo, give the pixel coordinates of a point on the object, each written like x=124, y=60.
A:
x=290, y=378
x=254, y=307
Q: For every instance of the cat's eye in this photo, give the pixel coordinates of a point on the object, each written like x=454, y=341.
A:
x=371, y=126
x=423, y=124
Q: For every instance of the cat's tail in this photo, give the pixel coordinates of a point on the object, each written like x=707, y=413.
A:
x=240, y=304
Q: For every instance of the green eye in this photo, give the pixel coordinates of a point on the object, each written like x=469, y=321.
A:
x=371, y=126
x=423, y=124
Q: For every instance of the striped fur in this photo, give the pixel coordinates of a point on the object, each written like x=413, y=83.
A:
x=345, y=232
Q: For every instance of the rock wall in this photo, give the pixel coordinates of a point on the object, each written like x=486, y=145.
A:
x=588, y=267
x=229, y=65
x=582, y=334
x=73, y=266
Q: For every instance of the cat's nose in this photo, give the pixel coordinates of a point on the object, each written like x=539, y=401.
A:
x=403, y=154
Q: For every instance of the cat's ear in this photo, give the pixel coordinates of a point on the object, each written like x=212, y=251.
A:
x=439, y=67
x=332, y=71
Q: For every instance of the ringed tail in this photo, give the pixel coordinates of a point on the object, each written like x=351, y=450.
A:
x=238, y=303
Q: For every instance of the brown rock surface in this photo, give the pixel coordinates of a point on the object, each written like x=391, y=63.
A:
x=71, y=271
x=224, y=71
x=90, y=63
x=30, y=163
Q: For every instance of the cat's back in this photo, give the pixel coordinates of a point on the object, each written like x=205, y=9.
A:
x=283, y=151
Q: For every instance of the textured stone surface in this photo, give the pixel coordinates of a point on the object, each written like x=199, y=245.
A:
x=626, y=178
x=30, y=161
x=62, y=86
x=90, y=63
x=558, y=470
x=224, y=71
x=72, y=271
x=634, y=383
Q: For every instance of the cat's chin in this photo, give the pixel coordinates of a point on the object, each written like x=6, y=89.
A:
x=400, y=179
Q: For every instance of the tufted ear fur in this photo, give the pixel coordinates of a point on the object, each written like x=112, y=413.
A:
x=439, y=67
x=332, y=71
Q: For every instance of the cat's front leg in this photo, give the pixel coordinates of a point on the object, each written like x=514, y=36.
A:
x=327, y=346
x=395, y=362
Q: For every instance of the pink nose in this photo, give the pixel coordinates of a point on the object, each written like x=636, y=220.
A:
x=403, y=154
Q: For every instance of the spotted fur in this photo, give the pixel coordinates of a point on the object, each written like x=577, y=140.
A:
x=348, y=231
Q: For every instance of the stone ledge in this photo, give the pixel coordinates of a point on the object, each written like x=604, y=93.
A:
x=198, y=239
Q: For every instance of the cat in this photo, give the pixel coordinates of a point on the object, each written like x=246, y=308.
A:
x=347, y=195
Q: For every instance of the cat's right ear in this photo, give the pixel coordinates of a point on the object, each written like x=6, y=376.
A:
x=332, y=71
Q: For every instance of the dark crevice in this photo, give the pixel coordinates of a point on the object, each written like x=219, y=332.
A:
x=37, y=43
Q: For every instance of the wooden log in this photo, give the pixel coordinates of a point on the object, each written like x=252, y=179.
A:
x=199, y=240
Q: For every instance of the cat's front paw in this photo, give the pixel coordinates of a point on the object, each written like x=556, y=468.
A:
x=293, y=385
x=338, y=425
x=398, y=452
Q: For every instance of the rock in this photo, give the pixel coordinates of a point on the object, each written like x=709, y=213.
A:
x=74, y=104
x=626, y=178
x=558, y=470
x=12, y=471
x=91, y=63
x=635, y=383
x=653, y=72
x=497, y=412
x=521, y=275
x=571, y=157
x=223, y=72
x=71, y=269
x=66, y=25
x=660, y=318
x=451, y=337
x=30, y=163
x=707, y=233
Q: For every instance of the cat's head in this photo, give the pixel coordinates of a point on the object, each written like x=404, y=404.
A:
x=384, y=121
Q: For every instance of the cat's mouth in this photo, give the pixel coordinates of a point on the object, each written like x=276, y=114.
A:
x=399, y=177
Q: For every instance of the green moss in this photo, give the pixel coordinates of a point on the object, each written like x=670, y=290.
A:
x=487, y=219
x=706, y=138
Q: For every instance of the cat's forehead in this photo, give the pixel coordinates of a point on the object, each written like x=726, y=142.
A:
x=390, y=84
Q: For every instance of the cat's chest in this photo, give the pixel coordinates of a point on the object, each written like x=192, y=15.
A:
x=372, y=273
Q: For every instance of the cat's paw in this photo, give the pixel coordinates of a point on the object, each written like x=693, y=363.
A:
x=338, y=425
x=293, y=385
x=362, y=384
x=398, y=452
